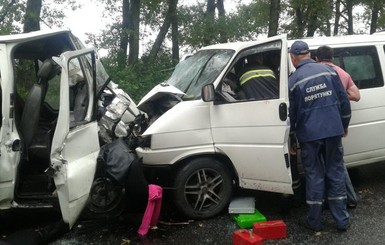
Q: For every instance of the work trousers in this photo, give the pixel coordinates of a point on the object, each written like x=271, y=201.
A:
x=351, y=194
x=325, y=177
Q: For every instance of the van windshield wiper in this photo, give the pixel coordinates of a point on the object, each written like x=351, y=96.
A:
x=199, y=73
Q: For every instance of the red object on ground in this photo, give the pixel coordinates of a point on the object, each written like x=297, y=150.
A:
x=151, y=215
x=274, y=229
x=245, y=237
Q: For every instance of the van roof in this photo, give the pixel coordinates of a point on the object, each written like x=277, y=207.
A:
x=313, y=42
x=232, y=45
x=31, y=35
x=336, y=41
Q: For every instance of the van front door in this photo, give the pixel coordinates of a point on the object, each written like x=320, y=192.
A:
x=254, y=133
x=75, y=143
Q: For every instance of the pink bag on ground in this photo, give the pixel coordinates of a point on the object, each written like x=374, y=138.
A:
x=151, y=215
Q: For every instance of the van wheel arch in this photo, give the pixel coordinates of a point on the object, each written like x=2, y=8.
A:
x=203, y=187
x=223, y=159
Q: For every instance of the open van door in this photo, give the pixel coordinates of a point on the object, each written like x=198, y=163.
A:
x=254, y=133
x=75, y=143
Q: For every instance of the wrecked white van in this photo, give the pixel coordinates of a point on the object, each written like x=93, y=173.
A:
x=50, y=86
x=204, y=140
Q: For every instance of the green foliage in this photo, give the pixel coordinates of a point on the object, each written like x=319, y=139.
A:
x=198, y=29
x=138, y=79
x=108, y=40
x=381, y=20
x=52, y=14
x=153, y=13
x=308, y=15
x=11, y=16
x=192, y=26
x=369, y=5
x=25, y=76
x=249, y=21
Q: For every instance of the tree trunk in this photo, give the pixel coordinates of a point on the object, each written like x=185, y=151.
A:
x=374, y=19
x=32, y=16
x=209, y=23
x=174, y=32
x=222, y=19
x=210, y=7
x=328, y=29
x=337, y=17
x=133, y=54
x=274, y=17
x=126, y=26
x=300, y=26
x=349, y=8
x=312, y=24
x=163, y=30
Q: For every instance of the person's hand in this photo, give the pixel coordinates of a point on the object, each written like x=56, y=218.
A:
x=293, y=150
x=345, y=133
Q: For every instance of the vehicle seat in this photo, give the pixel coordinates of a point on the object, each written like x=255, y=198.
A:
x=230, y=88
x=31, y=114
x=29, y=122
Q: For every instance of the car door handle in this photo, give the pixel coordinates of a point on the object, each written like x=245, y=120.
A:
x=282, y=111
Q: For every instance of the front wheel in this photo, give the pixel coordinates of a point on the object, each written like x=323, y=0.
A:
x=203, y=188
x=106, y=198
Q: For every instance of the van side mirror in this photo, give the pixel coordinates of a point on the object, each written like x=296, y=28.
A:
x=208, y=93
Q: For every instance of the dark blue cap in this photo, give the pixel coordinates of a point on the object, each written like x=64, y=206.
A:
x=299, y=48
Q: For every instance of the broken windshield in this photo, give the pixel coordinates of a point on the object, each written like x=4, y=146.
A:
x=198, y=70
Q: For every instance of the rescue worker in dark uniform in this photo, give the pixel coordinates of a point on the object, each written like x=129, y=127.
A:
x=319, y=115
x=258, y=81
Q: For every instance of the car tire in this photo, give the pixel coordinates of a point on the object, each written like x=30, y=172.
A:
x=105, y=199
x=203, y=188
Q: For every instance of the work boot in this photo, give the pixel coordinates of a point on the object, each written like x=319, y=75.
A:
x=352, y=205
x=305, y=223
x=343, y=227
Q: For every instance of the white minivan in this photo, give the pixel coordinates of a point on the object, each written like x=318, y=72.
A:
x=51, y=88
x=203, y=140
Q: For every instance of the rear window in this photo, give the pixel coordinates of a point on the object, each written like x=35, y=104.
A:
x=363, y=65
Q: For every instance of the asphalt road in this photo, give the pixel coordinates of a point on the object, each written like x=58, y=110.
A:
x=367, y=227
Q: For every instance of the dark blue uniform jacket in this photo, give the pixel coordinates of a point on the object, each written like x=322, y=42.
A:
x=319, y=106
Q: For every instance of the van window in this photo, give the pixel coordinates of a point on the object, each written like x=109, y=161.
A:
x=26, y=70
x=362, y=63
x=78, y=91
x=254, y=75
x=25, y=73
x=52, y=97
x=200, y=69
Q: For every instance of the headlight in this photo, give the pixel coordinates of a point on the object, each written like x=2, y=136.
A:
x=144, y=141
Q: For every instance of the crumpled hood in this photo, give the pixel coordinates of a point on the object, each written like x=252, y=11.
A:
x=156, y=93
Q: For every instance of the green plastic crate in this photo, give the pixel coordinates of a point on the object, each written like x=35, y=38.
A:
x=247, y=220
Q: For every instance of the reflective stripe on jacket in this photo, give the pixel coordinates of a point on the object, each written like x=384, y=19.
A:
x=255, y=74
x=259, y=83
